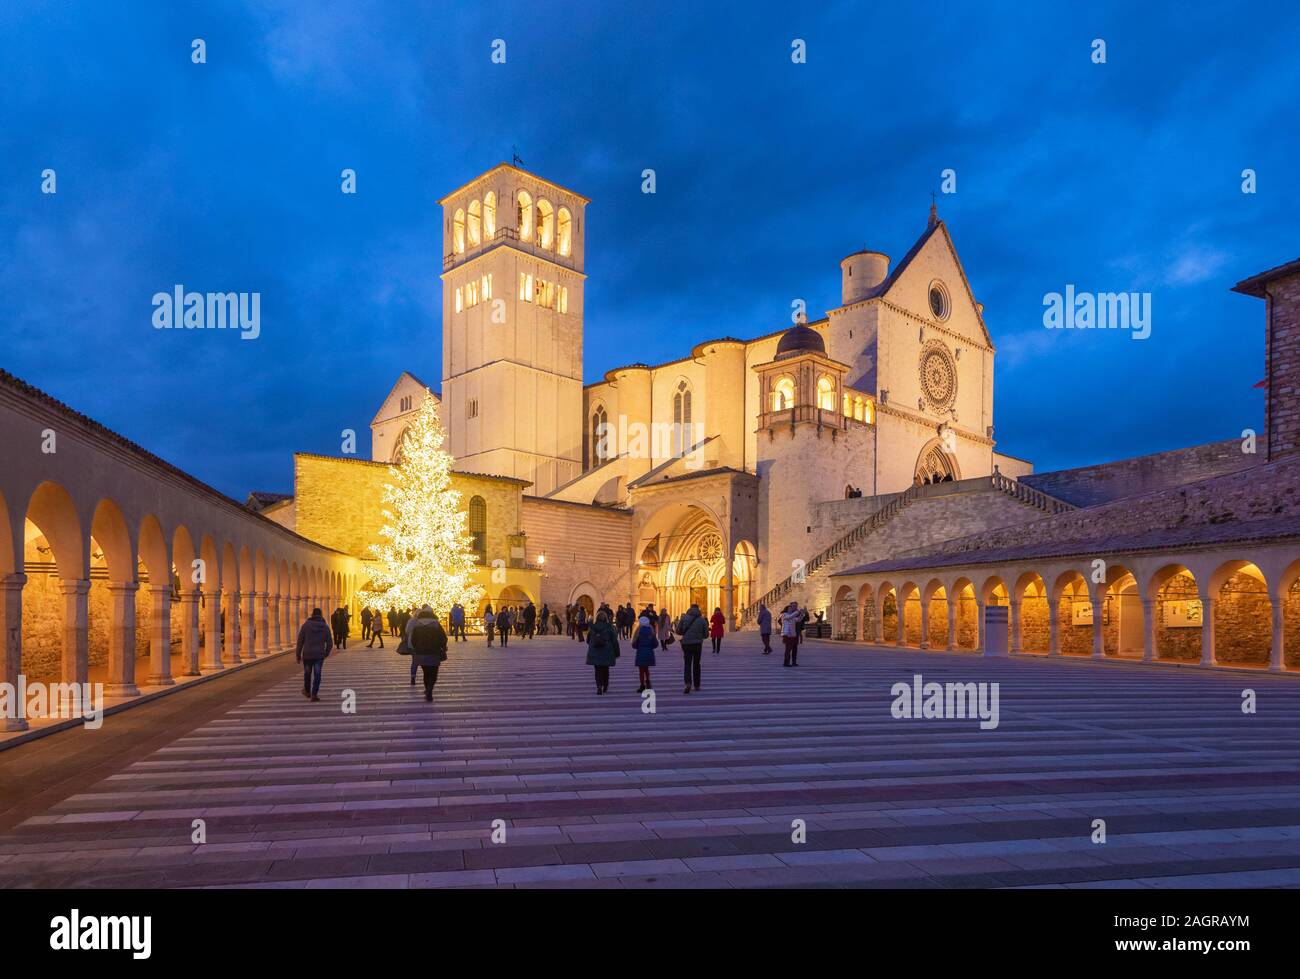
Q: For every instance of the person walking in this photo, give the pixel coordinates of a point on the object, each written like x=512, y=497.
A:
x=339, y=622
x=765, y=628
x=692, y=627
x=602, y=650
x=376, y=630
x=489, y=624
x=530, y=620
x=717, y=627
x=790, y=634
x=645, y=642
x=314, y=644
x=544, y=620
x=457, y=618
x=665, y=629
x=428, y=644
x=580, y=624
x=392, y=621
x=366, y=616
x=503, y=627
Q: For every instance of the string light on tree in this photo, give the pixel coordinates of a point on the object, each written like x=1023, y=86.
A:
x=427, y=552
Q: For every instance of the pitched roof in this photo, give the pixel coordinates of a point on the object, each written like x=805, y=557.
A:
x=1254, y=286
x=389, y=395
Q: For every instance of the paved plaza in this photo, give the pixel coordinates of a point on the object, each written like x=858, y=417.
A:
x=593, y=792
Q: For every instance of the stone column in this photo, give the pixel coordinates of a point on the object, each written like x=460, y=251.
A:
x=76, y=648
x=1098, y=634
x=11, y=658
x=212, y=631
x=925, y=624
x=877, y=624
x=1207, y=632
x=121, y=639
x=263, y=624
x=1014, y=644
x=1054, y=628
x=1276, y=653
x=273, y=622
x=247, y=628
x=160, y=635
x=1148, y=630
x=229, y=644
x=981, y=642
x=952, y=626
x=190, y=631
x=729, y=584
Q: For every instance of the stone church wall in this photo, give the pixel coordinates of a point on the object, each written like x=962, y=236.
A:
x=581, y=544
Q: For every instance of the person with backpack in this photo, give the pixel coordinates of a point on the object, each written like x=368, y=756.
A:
x=314, y=644
x=765, y=627
x=602, y=649
x=504, y=622
x=644, y=643
x=692, y=627
x=427, y=641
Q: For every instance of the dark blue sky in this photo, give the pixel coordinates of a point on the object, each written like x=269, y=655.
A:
x=225, y=176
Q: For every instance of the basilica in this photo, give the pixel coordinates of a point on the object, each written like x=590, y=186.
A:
x=710, y=478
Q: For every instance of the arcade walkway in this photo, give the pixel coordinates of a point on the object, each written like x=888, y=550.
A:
x=593, y=792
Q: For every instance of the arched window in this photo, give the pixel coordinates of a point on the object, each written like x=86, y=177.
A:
x=564, y=299
x=565, y=231
x=859, y=409
x=783, y=394
x=489, y=214
x=478, y=528
x=545, y=224
x=458, y=231
x=848, y=405
x=825, y=393
x=524, y=216
x=600, y=437
x=475, y=222
x=682, y=419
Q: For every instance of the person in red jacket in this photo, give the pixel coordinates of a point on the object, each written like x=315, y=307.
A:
x=717, y=623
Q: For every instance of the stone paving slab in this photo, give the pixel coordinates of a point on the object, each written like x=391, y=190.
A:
x=708, y=791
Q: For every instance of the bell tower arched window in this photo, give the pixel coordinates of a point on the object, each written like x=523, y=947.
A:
x=545, y=224
x=600, y=448
x=565, y=232
x=475, y=222
x=489, y=214
x=478, y=528
x=825, y=393
x=458, y=231
x=783, y=394
x=524, y=215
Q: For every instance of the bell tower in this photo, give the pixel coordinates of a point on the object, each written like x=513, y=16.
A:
x=512, y=307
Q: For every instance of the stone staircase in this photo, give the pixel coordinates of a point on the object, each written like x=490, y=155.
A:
x=829, y=558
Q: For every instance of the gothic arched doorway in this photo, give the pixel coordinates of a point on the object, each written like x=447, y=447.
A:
x=934, y=465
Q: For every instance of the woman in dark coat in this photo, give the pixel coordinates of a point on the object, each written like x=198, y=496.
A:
x=645, y=642
x=428, y=644
x=717, y=626
x=602, y=650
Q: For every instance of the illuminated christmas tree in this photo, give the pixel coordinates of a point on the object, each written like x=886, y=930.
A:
x=427, y=555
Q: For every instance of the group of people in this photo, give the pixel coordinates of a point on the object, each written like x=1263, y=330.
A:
x=650, y=631
x=792, y=620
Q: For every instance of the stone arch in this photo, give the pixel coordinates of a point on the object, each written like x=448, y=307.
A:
x=1031, y=628
x=934, y=603
x=1287, y=598
x=867, y=617
x=891, y=621
x=966, y=623
x=1072, y=605
x=909, y=607
x=934, y=463
x=844, y=614
x=1173, y=596
x=1121, y=621
x=1241, y=615
x=585, y=594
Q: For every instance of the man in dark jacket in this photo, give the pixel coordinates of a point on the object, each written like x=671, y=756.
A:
x=765, y=627
x=366, y=616
x=314, y=644
x=428, y=643
x=693, y=627
x=505, y=621
x=339, y=623
x=530, y=620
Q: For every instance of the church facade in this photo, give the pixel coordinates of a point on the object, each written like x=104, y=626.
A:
x=707, y=478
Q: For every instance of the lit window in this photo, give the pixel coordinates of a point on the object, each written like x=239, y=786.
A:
x=564, y=299
x=783, y=394
x=458, y=231
x=524, y=216
x=475, y=222
x=565, y=231
x=859, y=410
x=825, y=393
x=478, y=528
x=545, y=224
x=848, y=405
x=681, y=419
x=489, y=214
x=525, y=287
x=460, y=299
x=486, y=284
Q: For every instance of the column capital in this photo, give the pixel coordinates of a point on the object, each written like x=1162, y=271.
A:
x=74, y=586
x=160, y=586
x=13, y=582
x=128, y=587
